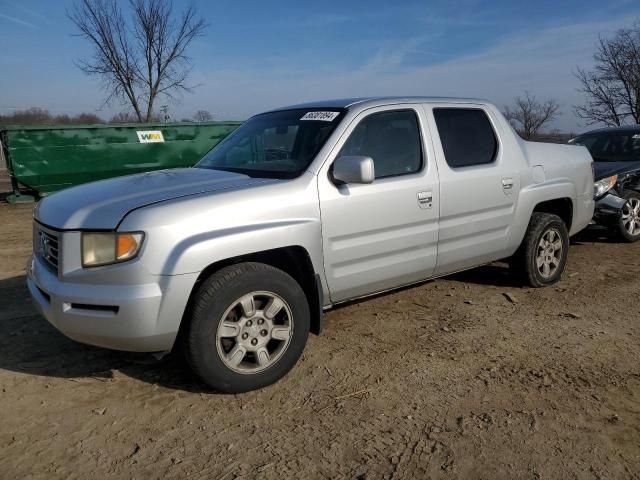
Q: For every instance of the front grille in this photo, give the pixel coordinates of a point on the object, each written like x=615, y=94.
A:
x=49, y=248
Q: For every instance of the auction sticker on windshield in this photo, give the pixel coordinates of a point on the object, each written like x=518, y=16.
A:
x=322, y=116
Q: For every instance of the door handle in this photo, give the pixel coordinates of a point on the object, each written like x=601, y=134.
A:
x=507, y=184
x=425, y=199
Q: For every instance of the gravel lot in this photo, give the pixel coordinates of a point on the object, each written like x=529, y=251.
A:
x=468, y=376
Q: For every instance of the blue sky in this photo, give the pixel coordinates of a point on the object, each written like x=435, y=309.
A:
x=258, y=55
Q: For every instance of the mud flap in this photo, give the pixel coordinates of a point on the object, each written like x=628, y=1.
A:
x=317, y=315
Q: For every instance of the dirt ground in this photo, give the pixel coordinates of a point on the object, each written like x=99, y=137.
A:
x=464, y=377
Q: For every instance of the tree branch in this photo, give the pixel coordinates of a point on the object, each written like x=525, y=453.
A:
x=141, y=59
x=612, y=87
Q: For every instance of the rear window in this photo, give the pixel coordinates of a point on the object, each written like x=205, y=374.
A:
x=467, y=136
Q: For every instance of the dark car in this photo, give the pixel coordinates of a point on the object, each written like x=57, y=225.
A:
x=616, y=161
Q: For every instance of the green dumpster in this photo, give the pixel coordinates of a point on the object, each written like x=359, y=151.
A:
x=43, y=159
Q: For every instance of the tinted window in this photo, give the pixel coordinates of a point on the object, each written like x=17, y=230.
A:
x=467, y=136
x=612, y=147
x=391, y=139
x=274, y=145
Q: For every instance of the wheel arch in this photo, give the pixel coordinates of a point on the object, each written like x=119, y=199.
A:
x=562, y=207
x=556, y=196
x=294, y=260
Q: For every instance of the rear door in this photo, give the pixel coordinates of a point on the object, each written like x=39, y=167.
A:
x=479, y=186
x=384, y=234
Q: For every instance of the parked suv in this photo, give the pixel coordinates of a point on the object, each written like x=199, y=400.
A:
x=300, y=209
x=616, y=160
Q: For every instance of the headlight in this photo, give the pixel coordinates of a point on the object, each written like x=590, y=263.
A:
x=603, y=186
x=104, y=248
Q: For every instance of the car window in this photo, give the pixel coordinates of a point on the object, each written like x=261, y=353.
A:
x=585, y=141
x=279, y=144
x=391, y=139
x=467, y=136
x=269, y=145
x=612, y=146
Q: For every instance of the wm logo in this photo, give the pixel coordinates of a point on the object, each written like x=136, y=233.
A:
x=150, y=136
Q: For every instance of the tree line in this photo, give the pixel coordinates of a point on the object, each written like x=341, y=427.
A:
x=42, y=116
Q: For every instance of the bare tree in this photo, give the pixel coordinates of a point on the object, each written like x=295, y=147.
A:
x=528, y=115
x=139, y=56
x=202, y=116
x=612, y=87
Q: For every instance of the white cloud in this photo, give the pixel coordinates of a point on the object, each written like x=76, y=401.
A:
x=541, y=62
x=30, y=12
x=17, y=21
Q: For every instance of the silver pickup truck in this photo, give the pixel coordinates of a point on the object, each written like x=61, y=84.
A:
x=300, y=209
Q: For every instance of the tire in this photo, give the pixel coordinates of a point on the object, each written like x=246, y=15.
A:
x=628, y=228
x=231, y=311
x=525, y=264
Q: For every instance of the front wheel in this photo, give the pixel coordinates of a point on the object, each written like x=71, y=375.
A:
x=248, y=327
x=542, y=256
x=629, y=222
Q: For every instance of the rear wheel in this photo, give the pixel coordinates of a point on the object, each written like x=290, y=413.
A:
x=629, y=222
x=542, y=256
x=249, y=325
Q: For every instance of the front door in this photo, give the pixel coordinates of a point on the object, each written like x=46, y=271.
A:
x=381, y=235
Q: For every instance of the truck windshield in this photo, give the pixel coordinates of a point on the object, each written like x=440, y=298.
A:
x=612, y=147
x=274, y=145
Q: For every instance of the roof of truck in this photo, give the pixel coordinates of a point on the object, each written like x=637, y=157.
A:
x=377, y=101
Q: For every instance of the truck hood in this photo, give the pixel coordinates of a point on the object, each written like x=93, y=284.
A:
x=102, y=205
x=606, y=169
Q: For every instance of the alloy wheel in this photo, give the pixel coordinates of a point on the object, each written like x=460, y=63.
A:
x=631, y=216
x=549, y=253
x=254, y=332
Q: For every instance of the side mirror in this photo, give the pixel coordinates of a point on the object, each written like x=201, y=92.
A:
x=354, y=169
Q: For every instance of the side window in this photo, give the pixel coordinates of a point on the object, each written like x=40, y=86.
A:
x=467, y=136
x=391, y=139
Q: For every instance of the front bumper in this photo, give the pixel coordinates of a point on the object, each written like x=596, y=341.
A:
x=140, y=318
x=608, y=210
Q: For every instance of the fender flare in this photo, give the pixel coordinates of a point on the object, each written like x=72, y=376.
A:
x=533, y=195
